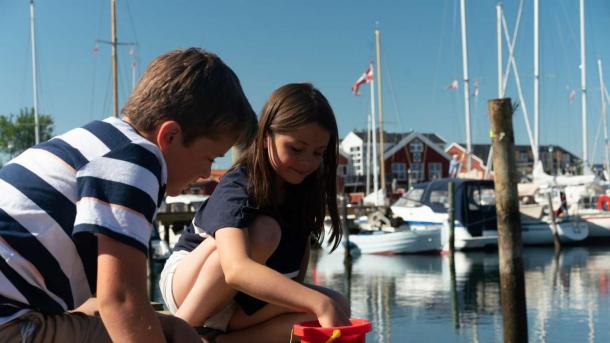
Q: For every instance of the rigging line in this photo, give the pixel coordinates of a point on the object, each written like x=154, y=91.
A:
x=439, y=53
x=457, y=37
x=100, y=21
x=26, y=69
x=389, y=75
x=571, y=29
x=106, y=102
x=519, y=90
x=92, y=103
x=131, y=21
x=136, y=41
x=599, y=126
x=562, y=41
x=122, y=82
x=511, y=43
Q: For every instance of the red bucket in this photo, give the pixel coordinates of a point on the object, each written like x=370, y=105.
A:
x=311, y=332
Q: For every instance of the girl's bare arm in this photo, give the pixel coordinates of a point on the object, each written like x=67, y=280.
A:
x=264, y=283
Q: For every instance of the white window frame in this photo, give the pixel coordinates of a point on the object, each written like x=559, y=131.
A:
x=416, y=157
x=417, y=174
x=435, y=170
x=416, y=147
x=399, y=171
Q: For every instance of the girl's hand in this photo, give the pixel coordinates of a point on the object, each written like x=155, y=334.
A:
x=332, y=315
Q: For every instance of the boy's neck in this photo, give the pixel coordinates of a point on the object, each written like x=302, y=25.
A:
x=148, y=136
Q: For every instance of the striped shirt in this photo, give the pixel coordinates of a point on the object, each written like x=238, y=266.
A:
x=102, y=178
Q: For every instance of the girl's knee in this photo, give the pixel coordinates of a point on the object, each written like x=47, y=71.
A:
x=264, y=235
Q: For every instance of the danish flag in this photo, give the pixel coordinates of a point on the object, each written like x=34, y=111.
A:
x=365, y=78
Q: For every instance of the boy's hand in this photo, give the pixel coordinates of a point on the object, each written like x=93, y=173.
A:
x=177, y=330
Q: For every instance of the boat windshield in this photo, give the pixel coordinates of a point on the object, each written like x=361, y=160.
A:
x=481, y=196
x=439, y=198
x=411, y=199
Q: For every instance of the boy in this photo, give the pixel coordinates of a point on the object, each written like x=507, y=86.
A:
x=76, y=212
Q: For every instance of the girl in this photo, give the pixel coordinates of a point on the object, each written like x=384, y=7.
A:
x=240, y=267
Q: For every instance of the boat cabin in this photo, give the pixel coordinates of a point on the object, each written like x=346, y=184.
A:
x=474, y=201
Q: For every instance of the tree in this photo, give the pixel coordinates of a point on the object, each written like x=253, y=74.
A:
x=17, y=132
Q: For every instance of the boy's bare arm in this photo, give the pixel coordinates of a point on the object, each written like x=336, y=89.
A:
x=262, y=282
x=123, y=297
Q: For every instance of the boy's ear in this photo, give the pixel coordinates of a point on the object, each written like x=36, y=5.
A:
x=168, y=133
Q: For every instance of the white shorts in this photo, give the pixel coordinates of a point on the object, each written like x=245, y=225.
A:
x=219, y=320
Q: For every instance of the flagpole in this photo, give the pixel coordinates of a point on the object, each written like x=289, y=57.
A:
x=381, y=149
x=373, y=129
x=466, y=86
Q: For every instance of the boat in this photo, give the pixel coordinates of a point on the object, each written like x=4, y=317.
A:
x=392, y=241
x=585, y=196
x=425, y=206
x=183, y=202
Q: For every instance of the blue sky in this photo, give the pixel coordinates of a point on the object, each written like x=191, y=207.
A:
x=269, y=43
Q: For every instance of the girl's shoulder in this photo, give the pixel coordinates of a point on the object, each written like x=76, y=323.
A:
x=237, y=175
x=232, y=189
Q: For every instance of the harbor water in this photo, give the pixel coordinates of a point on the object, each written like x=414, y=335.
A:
x=411, y=298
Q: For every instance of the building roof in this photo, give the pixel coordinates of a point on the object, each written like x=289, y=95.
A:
x=410, y=137
x=395, y=137
x=482, y=150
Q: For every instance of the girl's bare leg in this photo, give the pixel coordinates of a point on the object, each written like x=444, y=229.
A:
x=277, y=329
x=199, y=284
x=274, y=323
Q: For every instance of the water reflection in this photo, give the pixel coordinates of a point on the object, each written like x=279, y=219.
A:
x=412, y=298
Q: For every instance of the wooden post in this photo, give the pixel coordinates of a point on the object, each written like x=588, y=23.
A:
x=347, y=260
x=512, y=283
x=451, y=219
x=556, y=241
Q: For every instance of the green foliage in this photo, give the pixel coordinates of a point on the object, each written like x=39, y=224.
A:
x=17, y=131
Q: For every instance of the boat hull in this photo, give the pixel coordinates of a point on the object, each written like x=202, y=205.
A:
x=599, y=222
x=398, y=242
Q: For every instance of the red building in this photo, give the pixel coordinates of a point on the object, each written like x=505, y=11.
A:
x=415, y=158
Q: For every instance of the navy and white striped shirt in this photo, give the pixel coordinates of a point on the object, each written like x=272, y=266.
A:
x=101, y=178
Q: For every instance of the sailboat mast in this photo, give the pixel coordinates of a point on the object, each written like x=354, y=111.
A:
x=583, y=81
x=602, y=88
x=381, y=148
x=34, y=84
x=536, y=84
x=368, y=154
x=374, y=134
x=115, y=81
x=499, y=39
x=466, y=85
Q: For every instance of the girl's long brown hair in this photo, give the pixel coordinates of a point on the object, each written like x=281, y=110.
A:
x=288, y=108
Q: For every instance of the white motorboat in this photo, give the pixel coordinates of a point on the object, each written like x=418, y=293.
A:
x=426, y=205
x=402, y=240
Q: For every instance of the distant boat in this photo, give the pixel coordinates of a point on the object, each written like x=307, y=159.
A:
x=425, y=207
x=393, y=241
